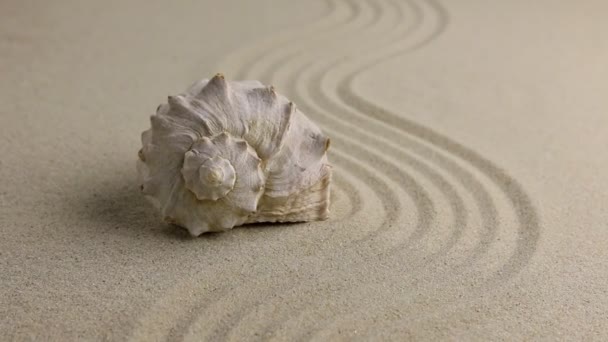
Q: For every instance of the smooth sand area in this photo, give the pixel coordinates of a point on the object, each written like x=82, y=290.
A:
x=469, y=144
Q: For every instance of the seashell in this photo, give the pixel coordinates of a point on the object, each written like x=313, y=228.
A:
x=224, y=154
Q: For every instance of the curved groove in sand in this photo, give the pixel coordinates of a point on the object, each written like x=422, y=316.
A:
x=384, y=166
x=290, y=47
x=528, y=222
x=273, y=69
x=483, y=198
x=357, y=120
x=337, y=122
x=330, y=19
x=353, y=194
x=529, y=230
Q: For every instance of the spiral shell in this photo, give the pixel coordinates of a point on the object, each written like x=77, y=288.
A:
x=224, y=154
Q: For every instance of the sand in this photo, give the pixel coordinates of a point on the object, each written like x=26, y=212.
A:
x=470, y=172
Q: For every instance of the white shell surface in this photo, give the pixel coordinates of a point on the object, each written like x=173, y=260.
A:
x=226, y=153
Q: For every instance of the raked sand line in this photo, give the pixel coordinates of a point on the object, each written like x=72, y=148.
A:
x=526, y=217
x=384, y=167
x=337, y=15
x=356, y=135
x=373, y=18
x=351, y=193
x=351, y=13
x=526, y=214
x=358, y=120
x=387, y=146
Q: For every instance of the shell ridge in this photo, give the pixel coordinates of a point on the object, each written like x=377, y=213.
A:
x=284, y=127
x=166, y=123
x=185, y=109
x=267, y=134
x=167, y=208
x=311, y=202
x=217, y=116
x=218, y=92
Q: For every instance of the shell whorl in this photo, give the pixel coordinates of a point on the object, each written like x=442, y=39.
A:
x=208, y=178
x=225, y=153
x=223, y=166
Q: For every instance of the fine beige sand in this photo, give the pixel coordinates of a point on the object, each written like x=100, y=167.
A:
x=469, y=144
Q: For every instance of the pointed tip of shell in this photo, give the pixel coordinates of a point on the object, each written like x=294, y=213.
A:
x=177, y=101
x=291, y=109
x=216, y=84
x=219, y=79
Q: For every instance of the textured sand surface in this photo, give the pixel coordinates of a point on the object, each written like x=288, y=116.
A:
x=469, y=143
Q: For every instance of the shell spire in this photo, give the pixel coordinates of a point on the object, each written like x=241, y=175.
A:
x=217, y=84
x=227, y=153
x=177, y=102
